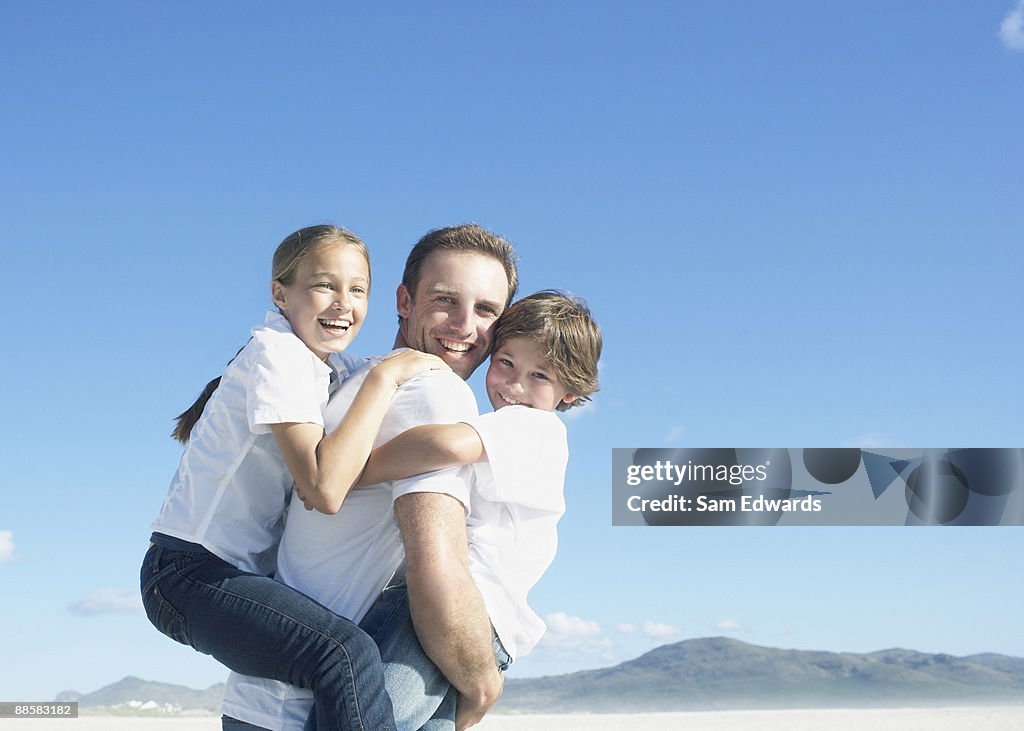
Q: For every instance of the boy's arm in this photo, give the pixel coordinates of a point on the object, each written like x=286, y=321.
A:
x=423, y=449
x=326, y=466
x=447, y=609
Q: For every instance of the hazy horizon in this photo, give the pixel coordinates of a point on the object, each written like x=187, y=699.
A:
x=598, y=668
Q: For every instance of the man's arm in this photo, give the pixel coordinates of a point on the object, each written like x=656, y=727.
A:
x=447, y=609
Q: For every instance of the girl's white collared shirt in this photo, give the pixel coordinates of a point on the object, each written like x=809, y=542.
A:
x=232, y=485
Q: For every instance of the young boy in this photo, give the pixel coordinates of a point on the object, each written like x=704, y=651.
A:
x=546, y=348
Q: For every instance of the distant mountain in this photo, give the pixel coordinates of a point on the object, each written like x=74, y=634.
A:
x=704, y=674
x=721, y=673
x=135, y=694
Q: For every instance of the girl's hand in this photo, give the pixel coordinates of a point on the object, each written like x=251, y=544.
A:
x=399, y=368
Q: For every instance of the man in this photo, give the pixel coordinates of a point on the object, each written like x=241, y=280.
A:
x=456, y=282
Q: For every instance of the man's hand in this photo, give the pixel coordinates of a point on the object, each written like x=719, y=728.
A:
x=470, y=711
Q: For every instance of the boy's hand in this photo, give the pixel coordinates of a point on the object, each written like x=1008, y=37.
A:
x=400, y=367
x=307, y=503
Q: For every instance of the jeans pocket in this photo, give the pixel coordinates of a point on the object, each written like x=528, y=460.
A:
x=164, y=616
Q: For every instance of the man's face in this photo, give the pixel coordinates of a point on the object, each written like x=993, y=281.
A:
x=452, y=312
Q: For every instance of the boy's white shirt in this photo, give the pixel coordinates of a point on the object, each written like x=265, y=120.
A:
x=516, y=500
x=232, y=485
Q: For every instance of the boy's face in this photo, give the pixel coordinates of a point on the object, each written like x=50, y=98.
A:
x=520, y=375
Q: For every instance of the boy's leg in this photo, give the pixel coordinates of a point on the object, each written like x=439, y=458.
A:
x=420, y=694
x=260, y=627
x=444, y=717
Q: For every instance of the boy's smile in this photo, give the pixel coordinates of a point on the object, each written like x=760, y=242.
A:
x=520, y=375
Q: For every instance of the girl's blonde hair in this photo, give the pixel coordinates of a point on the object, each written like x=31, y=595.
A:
x=296, y=246
x=287, y=258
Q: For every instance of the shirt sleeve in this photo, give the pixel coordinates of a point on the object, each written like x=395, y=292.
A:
x=528, y=453
x=434, y=397
x=285, y=385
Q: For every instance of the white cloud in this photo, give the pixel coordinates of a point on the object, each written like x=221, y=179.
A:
x=729, y=625
x=560, y=623
x=874, y=440
x=674, y=433
x=108, y=601
x=574, y=636
x=659, y=630
x=626, y=628
x=6, y=546
x=1011, y=31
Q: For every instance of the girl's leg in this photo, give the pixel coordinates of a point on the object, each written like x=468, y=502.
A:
x=258, y=626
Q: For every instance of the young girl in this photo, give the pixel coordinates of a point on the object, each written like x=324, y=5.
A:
x=253, y=434
x=546, y=349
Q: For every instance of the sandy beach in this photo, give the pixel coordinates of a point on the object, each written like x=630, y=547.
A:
x=995, y=718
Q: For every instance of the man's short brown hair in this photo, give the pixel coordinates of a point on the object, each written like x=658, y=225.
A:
x=470, y=238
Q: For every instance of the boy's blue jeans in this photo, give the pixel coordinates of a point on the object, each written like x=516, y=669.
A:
x=422, y=697
x=416, y=686
x=258, y=626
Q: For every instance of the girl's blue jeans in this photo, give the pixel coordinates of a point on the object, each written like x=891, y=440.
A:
x=258, y=626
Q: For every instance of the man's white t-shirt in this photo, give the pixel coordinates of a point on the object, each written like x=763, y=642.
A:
x=515, y=503
x=345, y=560
x=232, y=485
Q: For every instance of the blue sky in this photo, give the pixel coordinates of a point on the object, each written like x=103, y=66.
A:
x=798, y=224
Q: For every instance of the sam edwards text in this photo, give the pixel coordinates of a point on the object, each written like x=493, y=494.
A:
x=705, y=503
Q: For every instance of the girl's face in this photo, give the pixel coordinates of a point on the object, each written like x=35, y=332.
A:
x=326, y=301
x=520, y=375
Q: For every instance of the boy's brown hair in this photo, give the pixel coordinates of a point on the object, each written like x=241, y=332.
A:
x=561, y=324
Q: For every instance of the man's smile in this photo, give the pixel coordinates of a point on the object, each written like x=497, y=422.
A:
x=453, y=346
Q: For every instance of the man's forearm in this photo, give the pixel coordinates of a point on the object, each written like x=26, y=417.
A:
x=447, y=609
x=452, y=625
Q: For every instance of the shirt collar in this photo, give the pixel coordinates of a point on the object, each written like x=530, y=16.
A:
x=276, y=321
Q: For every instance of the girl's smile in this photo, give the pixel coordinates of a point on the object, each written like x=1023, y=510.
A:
x=326, y=301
